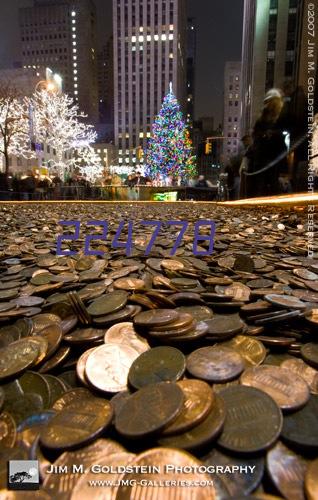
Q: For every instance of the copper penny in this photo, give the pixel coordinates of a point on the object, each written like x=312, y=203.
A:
x=311, y=480
x=124, y=333
x=203, y=433
x=16, y=358
x=215, y=364
x=8, y=431
x=287, y=471
x=160, y=457
x=252, y=351
x=253, y=420
x=286, y=388
x=198, y=403
x=107, y=367
x=309, y=374
x=156, y=317
x=149, y=410
x=78, y=424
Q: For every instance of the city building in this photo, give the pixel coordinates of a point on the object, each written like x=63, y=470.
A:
x=107, y=153
x=61, y=34
x=149, y=53
x=271, y=52
x=232, y=109
x=191, y=59
x=106, y=82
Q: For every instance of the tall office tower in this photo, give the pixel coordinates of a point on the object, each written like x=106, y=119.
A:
x=232, y=109
x=270, y=53
x=149, y=52
x=191, y=56
x=61, y=34
x=106, y=82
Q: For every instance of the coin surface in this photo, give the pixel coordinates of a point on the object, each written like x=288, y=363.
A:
x=203, y=433
x=160, y=457
x=252, y=351
x=198, y=403
x=286, y=388
x=309, y=374
x=301, y=427
x=215, y=364
x=287, y=471
x=253, y=420
x=108, y=303
x=107, y=367
x=124, y=333
x=157, y=365
x=16, y=358
x=8, y=431
x=78, y=424
x=149, y=410
x=309, y=353
x=311, y=482
x=156, y=317
x=285, y=301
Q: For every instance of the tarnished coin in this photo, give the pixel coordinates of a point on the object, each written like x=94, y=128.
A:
x=35, y=383
x=221, y=326
x=182, y=321
x=252, y=351
x=298, y=366
x=160, y=457
x=149, y=410
x=53, y=334
x=203, y=433
x=198, y=403
x=287, y=471
x=199, y=313
x=70, y=397
x=8, y=431
x=311, y=481
x=124, y=333
x=107, y=367
x=26, y=405
x=16, y=358
x=84, y=335
x=30, y=301
x=119, y=316
x=78, y=424
x=108, y=303
x=285, y=301
x=309, y=353
x=42, y=321
x=240, y=481
x=55, y=360
x=155, y=317
x=286, y=388
x=2, y=395
x=253, y=420
x=157, y=365
x=238, y=291
x=215, y=364
x=301, y=428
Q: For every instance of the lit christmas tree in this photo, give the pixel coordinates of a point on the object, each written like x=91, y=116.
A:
x=170, y=150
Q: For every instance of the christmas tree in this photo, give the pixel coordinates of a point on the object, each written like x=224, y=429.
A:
x=169, y=151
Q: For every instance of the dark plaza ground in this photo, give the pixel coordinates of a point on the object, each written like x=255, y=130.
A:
x=220, y=300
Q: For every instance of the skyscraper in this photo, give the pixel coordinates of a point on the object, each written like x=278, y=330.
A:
x=106, y=82
x=270, y=53
x=232, y=109
x=191, y=57
x=61, y=34
x=149, y=52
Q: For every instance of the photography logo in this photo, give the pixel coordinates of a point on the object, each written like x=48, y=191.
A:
x=23, y=475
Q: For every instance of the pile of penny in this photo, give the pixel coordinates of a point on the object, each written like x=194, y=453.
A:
x=110, y=363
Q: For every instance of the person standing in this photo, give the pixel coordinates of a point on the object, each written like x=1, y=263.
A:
x=268, y=146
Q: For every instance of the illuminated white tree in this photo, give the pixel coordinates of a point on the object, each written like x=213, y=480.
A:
x=14, y=126
x=89, y=163
x=59, y=124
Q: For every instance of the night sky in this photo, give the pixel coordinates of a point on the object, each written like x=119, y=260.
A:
x=219, y=35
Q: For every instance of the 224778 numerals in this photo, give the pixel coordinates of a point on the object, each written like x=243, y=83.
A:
x=128, y=244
